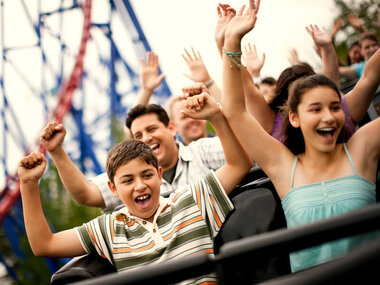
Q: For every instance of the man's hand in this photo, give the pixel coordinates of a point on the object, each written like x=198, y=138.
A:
x=52, y=136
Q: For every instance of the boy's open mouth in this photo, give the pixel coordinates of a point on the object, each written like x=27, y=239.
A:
x=143, y=201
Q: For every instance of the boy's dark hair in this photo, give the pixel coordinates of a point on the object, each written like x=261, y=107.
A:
x=294, y=139
x=286, y=77
x=140, y=110
x=124, y=152
x=368, y=36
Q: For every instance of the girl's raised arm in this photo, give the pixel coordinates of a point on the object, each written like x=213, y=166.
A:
x=270, y=154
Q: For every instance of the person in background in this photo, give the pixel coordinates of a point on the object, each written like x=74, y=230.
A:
x=354, y=54
x=368, y=45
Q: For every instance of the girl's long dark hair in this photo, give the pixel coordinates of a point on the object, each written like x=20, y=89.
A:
x=293, y=137
x=287, y=77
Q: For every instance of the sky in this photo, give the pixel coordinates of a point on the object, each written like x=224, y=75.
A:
x=184, y=24
x=170, y=26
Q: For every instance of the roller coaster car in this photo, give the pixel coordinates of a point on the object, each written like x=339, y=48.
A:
x=257, y=210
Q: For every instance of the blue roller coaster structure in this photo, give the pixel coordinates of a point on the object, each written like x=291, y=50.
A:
x=48, y=72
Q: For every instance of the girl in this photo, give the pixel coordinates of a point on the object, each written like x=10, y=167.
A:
x=315, y=174
x=355, y=104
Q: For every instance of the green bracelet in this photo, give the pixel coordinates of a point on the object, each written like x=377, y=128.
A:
x=234, y=57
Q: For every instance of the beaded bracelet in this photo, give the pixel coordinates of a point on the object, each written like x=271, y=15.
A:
x=234, y=57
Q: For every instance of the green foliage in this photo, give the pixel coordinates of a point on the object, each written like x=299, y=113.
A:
x=367, y=11
x=117, y=129
x=209, y=128
x=61, y=211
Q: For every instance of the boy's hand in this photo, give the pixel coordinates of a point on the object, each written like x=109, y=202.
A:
x=52, y=136
x=31, y=167
x=201, y=106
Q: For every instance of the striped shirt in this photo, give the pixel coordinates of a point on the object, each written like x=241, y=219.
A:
x=185, y=223
x=194, y=161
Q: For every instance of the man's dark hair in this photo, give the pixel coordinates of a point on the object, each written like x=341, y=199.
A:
x=140, y=110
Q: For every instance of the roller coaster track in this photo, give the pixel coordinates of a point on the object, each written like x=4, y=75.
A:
x=12, y=185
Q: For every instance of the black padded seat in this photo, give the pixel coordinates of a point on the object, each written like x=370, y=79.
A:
x=82, y=268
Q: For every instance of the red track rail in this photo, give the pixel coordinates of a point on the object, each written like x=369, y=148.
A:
x=12, y=186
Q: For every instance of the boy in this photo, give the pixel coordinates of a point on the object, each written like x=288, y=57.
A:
x=150, y=228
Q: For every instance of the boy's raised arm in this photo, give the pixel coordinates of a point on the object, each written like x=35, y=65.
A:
x=42, y=241
x=237, y=164
x=81, y=189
